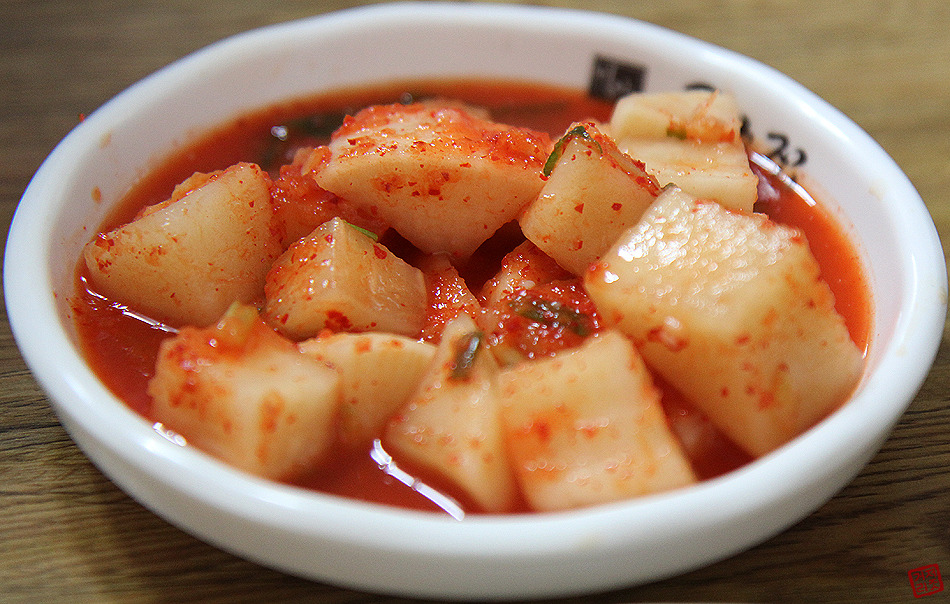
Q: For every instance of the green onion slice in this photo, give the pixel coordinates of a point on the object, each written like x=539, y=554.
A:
x=369, y=234
x=558, y=151
x=466, y=351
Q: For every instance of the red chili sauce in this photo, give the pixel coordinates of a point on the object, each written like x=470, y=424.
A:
x=121, y=345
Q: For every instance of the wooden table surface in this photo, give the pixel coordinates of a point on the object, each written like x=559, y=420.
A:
x=67, y=534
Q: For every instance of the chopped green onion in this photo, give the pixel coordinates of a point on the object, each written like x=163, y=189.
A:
x=369, y=234
x=679, y=133
x=287, y=136
x=466, y=350
x=550, y=312
x=318, y=125
x=558, y=151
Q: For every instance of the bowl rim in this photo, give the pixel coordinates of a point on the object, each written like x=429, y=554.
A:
x=101, y=424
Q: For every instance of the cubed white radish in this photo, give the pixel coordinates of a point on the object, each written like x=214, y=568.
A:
x=445, y=179
x=300, y=205
x=593, y=193
x=378, y=372
x=699, y=115
x=715, y=171
x=339, y=278
x=246, y=395
x=730, y=308
x=691, y=139
x=451, y=425
x=586, y=427
x=522, y=268
x=448, y=296
x=185, y=261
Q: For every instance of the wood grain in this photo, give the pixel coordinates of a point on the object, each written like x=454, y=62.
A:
x=68, y=534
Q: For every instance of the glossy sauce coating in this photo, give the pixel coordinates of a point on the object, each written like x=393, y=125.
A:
x=122, y=346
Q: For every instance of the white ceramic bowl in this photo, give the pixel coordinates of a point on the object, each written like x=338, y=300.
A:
x=401, y=552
